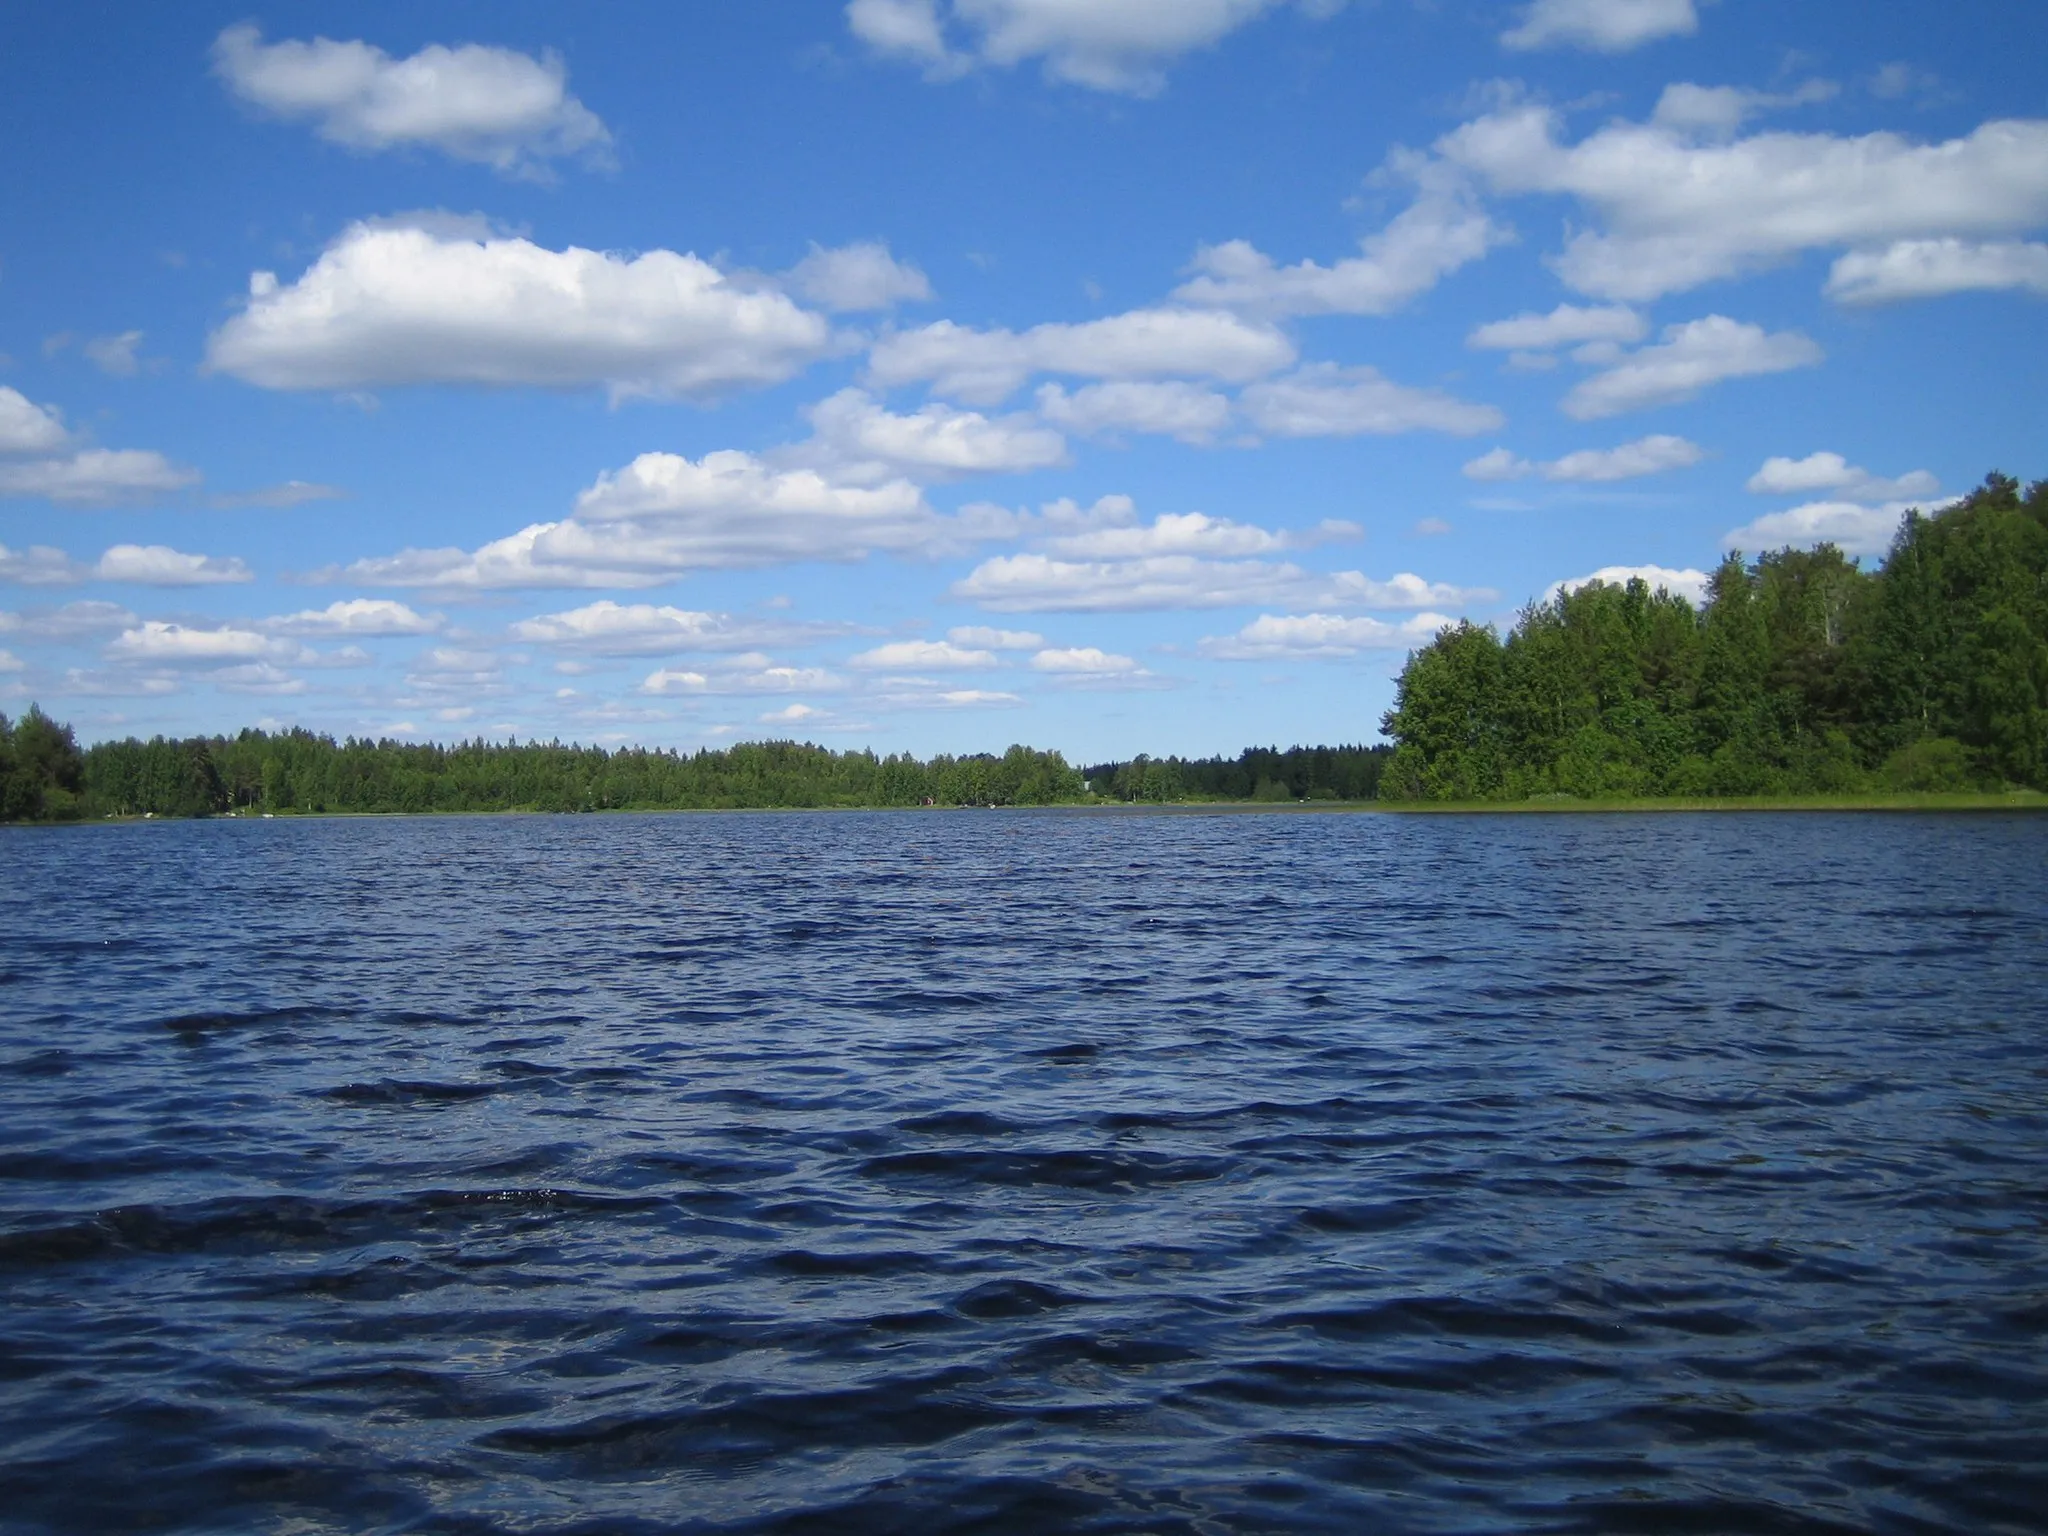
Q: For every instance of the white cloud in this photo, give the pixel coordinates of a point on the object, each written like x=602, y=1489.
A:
x=73, y=621
x=906, y=655
x=986, y=367
x=38, y=566
x=1189, y=533
x=848, y=279
x=1606, y=26
x=607, y=628
x=174, y=645
x=1168, y=408
x=747, y=676
x=1927, y=269
x=1565, y=326
x=115, y=354
x=1718, y=111
x=1855, y=528
x=664, y=515
x=1690, y=357
x=356, y=616
x=1085, y=661
x=981, y=637
x=1325, y=400
x=1443, y=230
x=1272, y=637
x=862, y=438
x=158, y=565
x=258, y=677
x=504, y=109
x=1678, y=213
x=431, y=303
x=1688, y=584
x=9, y=662
x=792, y=714
x=1038, y=583
x=946, y=698
x=96, y=477
x=1832, y=472
x=1106, y=45
x=26, y=427
x=1646, y=456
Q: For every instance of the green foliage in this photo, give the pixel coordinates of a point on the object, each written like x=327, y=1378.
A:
x=1257, y=773
x=43, y=776
x=1801, y=674
x=41, y=769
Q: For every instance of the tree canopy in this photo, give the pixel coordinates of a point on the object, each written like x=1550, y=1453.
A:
x=1801, y=673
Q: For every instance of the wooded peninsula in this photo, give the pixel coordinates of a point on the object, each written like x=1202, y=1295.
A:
x=1801, y=675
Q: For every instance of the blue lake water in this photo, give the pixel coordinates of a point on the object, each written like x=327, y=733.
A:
x=1026, y=1172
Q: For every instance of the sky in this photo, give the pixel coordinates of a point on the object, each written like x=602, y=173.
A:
x=1114, y=376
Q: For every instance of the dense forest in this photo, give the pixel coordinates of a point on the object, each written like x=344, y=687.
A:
x=1801, y=674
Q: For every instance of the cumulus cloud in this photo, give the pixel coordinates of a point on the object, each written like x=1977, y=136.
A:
x=1928, y=269
x=39, y=565
x=1040, y=583
x=1688, y=584
x=864, y=276
x=1084, y=661
x=435, y=303
x=1190, y=533
x=747, y=676
x=1718, y=111
x=495, y=106
x=1854, y=527
x=158, y=565
x=909, y=655
x=96, y=477
x=1106, y=45
x=608, y=628
x=863, y=439
x=1646, y=456
x=1689, y=358
x=1441, y=231
x=1280, y=637
x=981, y=637
x=360, y=616
x=1605, y=26
x=178, y=645
x=986, y=367
x=1677, y=213
x=1326, y=400
x=1832, y=472
x=26, y=427
x=1167, y=408
x=73, y=621
x=664, y=515
x=1565, y=326
x=9, y=662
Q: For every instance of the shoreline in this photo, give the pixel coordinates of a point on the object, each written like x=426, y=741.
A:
x=2016, y=800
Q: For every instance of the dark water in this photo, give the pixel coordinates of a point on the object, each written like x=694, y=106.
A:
x=1026, y=1172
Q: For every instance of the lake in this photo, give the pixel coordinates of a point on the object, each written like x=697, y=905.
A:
x=1026, y=1171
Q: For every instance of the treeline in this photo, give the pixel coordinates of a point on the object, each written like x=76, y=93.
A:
x=1801, y=674
x=45, y=776
x=298, y=771
x=1257, y=773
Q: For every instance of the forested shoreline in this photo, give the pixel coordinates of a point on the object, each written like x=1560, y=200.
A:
x=1801, y=675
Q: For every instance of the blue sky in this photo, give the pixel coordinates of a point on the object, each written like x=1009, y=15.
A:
x=1112, y=375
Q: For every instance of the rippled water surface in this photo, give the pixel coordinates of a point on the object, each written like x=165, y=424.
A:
x=1026, y=1172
